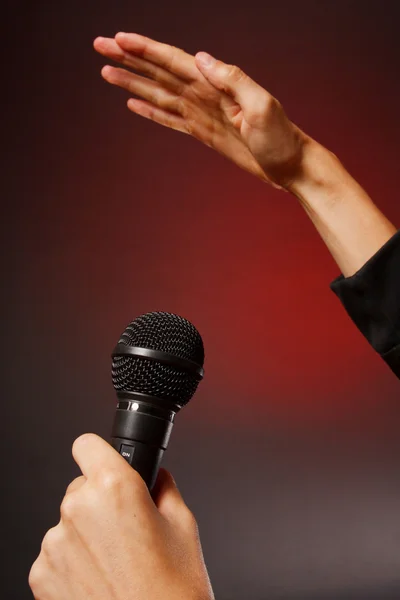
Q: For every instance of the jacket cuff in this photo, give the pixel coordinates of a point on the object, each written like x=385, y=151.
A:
x=371, y=297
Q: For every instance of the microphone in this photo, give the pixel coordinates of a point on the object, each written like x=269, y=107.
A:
x=156, y=368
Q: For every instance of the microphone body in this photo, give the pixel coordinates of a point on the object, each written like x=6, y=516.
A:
x=141, y=434
x=157, y=365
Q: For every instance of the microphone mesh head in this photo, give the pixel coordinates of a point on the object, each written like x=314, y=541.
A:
x=164, y=332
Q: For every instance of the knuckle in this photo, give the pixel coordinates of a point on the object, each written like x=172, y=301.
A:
x=118, y=485
x=267, y=104
x=235, y=73
x=52, y=537
x=188, y=520
x=112, y=481
x=36, y=576
x=69, y=507
x=51, y=540
x=75, y=484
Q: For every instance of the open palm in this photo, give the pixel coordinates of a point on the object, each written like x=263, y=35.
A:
x=216, y=103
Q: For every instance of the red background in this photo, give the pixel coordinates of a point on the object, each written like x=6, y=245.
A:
x=288, y=453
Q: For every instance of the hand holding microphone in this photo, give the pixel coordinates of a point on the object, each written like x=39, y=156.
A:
x=115, y=540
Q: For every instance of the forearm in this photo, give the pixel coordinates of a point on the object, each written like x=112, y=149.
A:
x=350, y=224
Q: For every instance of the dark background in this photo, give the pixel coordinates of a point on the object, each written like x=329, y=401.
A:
x=289, y=453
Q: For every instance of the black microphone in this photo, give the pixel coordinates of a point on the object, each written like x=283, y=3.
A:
x=156, y=368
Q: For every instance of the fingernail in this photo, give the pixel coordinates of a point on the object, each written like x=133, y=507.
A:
x=206, y=59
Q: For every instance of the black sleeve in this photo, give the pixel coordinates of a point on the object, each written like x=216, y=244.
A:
x=372, y=299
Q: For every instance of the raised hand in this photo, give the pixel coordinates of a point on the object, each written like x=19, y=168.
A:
x=214, y=102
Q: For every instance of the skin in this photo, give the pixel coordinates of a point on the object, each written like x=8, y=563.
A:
x=225, y=109
x=115, y=542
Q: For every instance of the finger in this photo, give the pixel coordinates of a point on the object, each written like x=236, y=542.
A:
x=168, y=499
x=232, y=80
x=141, y=86
x=75, y=485
x=108, y=47
x=172, y=59
x=158, y=115
x=193, y=126
x=96, y=457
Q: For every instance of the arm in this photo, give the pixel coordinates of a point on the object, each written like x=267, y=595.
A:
x=225, y=109
x=363, y=243
x=349, y=223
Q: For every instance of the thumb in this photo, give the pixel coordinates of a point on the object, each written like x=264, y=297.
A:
x=231, y=79
x=168, y=498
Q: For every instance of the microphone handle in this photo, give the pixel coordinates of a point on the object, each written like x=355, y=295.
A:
x=141, y=438
x=143, y=458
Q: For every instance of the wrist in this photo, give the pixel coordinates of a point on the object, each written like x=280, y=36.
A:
x=318, y=169
x=350, y=224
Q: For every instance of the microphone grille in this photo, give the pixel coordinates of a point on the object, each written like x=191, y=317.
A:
x=165, y=332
